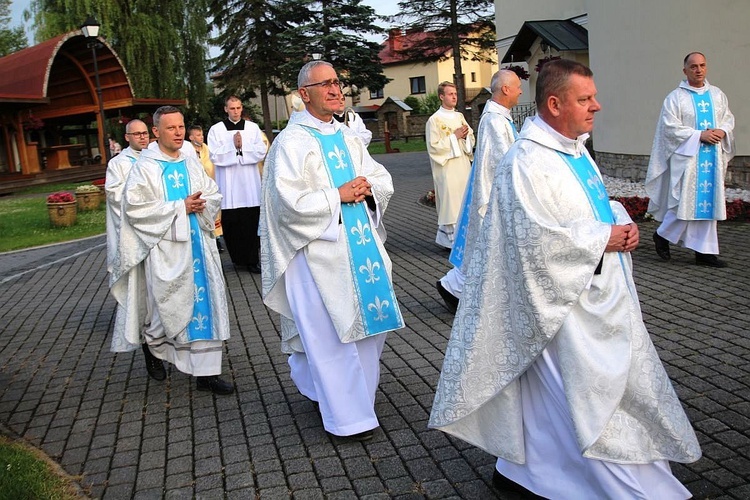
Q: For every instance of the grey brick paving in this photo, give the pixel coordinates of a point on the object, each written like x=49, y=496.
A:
x=127, y=436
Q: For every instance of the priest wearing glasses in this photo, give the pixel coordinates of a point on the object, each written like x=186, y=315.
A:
x=325, y=270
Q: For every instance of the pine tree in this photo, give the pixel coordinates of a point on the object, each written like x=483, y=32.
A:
x=11, y=39
x=465, y=26
x=162, y=44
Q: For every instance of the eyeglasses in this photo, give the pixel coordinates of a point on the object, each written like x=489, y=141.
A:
x=327, y=84
x=137, y=134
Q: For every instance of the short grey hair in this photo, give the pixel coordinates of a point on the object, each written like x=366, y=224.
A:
x=304, y=74
x=164, y=110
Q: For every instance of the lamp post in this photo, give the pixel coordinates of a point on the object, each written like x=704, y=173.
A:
x=90, y=31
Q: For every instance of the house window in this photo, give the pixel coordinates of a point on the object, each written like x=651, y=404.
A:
x=417, y=85
x=473, y=77
x=376, y=94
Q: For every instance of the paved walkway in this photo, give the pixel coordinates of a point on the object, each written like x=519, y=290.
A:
x=127, y=436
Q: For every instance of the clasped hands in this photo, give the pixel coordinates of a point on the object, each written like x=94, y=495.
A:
x=623, y=238
x=462, y=131
x=194, y=203
x=355, y=190
x=712, y=135
x=237, y=140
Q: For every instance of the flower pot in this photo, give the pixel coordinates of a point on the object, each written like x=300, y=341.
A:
x=88, y=201
x=62, y=214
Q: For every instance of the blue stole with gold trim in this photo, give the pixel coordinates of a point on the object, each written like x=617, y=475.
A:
x=459, y=243
x=176, y=181
x=707, y=158
x=376, y=298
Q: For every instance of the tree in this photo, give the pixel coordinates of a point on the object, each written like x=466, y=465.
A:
x=253, y=46
x=11, y=39
x=464, y=26
x=162, y=44
x=337, y=29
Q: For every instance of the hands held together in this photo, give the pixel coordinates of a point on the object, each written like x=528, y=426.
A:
x=194, y=203
x=462, y=131
x=623, y=238
x=712, y=135
x=355, y=190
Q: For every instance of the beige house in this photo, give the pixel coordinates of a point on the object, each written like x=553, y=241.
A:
x=636, y=50
x=418, y=78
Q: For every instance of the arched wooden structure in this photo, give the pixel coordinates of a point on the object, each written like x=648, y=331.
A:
x=49, y=108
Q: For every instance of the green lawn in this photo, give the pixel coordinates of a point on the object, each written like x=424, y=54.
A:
x=24, y=223
x=376, y=148
x=24, y=475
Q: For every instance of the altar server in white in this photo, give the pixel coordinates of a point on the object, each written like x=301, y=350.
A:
x=450, y=142
x=694, y=141
x=325, y=269
x=549, y=365
x=495, y=134
x=237, y=148
x=169, y=207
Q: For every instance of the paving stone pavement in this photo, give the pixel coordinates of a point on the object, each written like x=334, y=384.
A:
x=127, y=436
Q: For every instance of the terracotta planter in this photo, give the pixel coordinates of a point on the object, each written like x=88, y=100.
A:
x=62, y=214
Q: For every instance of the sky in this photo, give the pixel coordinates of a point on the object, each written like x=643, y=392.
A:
x=382, y=7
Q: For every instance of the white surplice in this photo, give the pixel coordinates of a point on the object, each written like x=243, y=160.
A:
x=531, y=279
x=673, y=168
x=450, y=160
x=494, y=138
x=155, y=237
x=307, y=275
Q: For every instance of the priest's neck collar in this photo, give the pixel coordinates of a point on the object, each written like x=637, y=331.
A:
x=578, y=143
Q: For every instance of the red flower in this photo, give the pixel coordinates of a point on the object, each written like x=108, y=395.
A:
x=61, y=197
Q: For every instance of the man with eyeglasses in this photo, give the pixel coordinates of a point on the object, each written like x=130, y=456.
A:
x=118, y=168
x=325, y=269
x=237, y=148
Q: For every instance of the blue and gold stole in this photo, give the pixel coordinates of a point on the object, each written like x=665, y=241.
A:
x=176, y=183
x=459, y=243
x=705, y=182
x=375, y=295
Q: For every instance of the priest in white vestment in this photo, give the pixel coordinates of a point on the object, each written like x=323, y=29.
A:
x=549, y=365
x=495, y=134
x=694, y=141
x=238, y=147
x=168, y=210
x=450, y=143
x=325, y=270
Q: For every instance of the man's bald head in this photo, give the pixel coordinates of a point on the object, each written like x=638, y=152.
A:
x=506, y=88
x=136, y=134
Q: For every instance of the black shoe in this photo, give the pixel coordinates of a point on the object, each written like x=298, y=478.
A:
x=254, y=268
x=154, y=365
x=662, y=246
x=707, y=259
x=219, y=247
x=451, y=301
x=502, y=483
x=214, y=384
x=359, y=437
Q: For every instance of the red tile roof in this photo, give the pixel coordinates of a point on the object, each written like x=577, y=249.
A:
x=390, y=53
x=25, y=74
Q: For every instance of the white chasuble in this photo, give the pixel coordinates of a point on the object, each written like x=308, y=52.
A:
x=450, y=159
x=674, y=177
x=531, y=278
x=156, y=233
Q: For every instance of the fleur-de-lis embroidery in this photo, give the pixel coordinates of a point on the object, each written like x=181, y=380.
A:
x=706, y=148
x=378, y=306
x=198, y=293
x=370, y=269
x=200, y=321
x=196, y=265
x=705, y=124
x=361, y=231
x=176, y=178
x=704, y=105
x=705, y=186
x=339, y=155
x=459, y=252
x=595, y=182
x=705, y=206
x=706, y=166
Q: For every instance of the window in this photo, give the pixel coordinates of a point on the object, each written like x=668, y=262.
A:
x=473, y=77
x=417, y=85
x=376, y=94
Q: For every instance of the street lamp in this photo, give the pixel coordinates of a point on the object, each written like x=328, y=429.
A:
x=90, y=31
